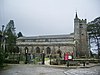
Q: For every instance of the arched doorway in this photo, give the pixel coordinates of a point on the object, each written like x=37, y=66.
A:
x=26, y=55
x=37, y=50
x=48, y=50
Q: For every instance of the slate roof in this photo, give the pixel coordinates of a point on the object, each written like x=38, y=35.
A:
x=48, y=37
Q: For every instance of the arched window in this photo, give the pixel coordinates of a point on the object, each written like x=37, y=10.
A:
x=48, y=50
x=26, y=50
x=37, y=50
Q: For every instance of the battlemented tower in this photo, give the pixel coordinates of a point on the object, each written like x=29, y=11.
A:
x=80, y=36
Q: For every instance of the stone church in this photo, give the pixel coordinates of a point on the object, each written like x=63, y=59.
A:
x=76, y=43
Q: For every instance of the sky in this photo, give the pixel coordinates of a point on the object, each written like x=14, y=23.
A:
x=47, y=17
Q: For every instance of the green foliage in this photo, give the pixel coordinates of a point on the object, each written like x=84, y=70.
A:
x=8, y=42
x=11, y=40
x=94, y=30
x=11, y=37
x=1, y=57
x=20, y=34
x=1, y=52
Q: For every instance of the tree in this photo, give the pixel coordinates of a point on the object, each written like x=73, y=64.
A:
x=7, y=44
x=1, y=57
x=1, y=52
x=20, y=34
x=11, y=39
x=94, y=32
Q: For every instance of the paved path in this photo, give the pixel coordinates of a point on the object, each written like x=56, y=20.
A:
x=84, y=71
x=29, y=69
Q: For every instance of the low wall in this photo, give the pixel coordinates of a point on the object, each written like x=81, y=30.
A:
x=77, y=61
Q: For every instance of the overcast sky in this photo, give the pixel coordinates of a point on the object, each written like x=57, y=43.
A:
x=47, y=17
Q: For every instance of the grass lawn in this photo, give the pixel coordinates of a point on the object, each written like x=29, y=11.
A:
x=46, y=59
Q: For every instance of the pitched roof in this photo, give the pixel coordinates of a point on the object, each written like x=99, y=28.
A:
x=48, y=37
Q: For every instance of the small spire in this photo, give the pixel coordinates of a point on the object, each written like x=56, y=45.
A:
x=76, y=15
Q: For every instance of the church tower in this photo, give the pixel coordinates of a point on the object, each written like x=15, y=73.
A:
x=80, y=36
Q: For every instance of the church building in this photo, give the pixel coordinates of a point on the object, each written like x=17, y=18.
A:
x=75, y=43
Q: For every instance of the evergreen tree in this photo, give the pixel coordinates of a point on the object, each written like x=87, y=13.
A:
x=1, y=52
x=20, y=34
x=9, y=42
x=11, y=39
